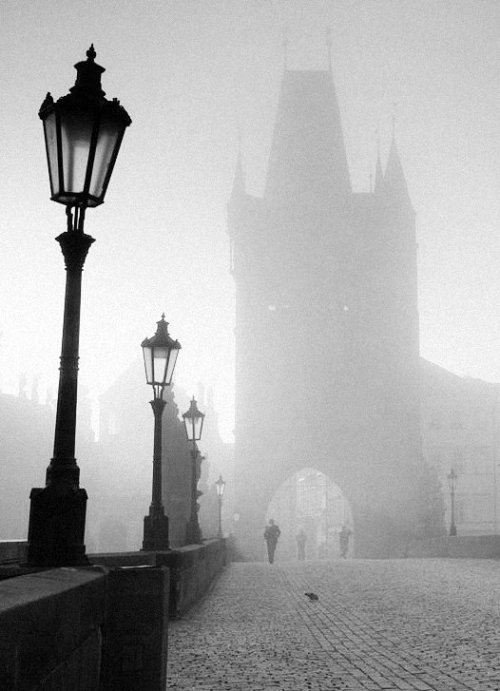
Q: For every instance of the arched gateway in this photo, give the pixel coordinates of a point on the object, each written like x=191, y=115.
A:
x=327, y=353
x=311, y=506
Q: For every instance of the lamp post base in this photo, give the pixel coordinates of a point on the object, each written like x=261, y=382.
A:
x=155, y=533
x=57, y=526
x=193, y=532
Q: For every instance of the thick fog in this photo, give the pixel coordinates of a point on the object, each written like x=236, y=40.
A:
x=192, y=75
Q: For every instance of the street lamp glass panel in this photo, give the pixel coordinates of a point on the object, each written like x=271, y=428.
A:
x=76, y=138
x=49, y=126
x=160, y=361
x=147, y=354
x=108, y=142
x=194, y=427
x=171, y=364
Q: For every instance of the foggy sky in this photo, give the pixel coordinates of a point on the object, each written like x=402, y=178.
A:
x=191, y=73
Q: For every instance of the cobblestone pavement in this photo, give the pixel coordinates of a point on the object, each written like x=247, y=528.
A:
x=404, y=624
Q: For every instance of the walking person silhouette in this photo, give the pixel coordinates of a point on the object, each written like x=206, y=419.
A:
x=271, y=535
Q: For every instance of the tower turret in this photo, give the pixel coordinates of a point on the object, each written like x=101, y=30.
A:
x=379, y=175
x=238, y=190
x=395, y=184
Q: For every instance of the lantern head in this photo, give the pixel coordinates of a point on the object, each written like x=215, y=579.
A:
x=160, y=355
x=220, y=486
x=452, y=478
x=193, y=421
x=83, y=134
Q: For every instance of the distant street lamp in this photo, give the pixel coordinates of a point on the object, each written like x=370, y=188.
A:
x=452, y=482
x=193, y=421
x=83, y=134
x=220, y=485
x=160, y=355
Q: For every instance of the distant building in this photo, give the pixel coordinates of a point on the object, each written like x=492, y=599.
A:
x=460, y=430
x=26, y=437
x=122, y=465
x=26, y=448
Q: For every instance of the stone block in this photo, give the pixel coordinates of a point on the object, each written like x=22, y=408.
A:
x=46, y=620
x=136, y=631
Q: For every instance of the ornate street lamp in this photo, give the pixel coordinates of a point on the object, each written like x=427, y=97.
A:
x=452, y=482
x=83, y=133
x=160, y=355
x=220, y=485
x=193, y=421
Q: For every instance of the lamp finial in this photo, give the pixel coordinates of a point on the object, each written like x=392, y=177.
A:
x=91, y=54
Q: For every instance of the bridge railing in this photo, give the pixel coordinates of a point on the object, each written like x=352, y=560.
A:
x=457, y=547
x=102, y=627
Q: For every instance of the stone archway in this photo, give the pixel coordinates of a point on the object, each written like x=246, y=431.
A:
x=311, y=501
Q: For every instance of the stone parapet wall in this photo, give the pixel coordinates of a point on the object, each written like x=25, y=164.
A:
x=192, y=569
x=84, y=629
x=13, y=551
x=460, y=547
x=50, y=630
x=134, y=652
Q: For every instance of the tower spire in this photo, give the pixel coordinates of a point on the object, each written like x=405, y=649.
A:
x=395, y=184
x=239, y=175
x=328, y=40
x=394, y=112
x=308, y=158
x=284, y=44
x=379, y=176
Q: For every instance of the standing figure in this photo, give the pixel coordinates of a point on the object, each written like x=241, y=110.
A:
x=271, y=535
x=344, y=535
x=301, y=539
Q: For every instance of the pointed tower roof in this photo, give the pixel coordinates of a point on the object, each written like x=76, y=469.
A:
x=394, y=179
x=379, y=175
x=308, y=157
x=239, y=188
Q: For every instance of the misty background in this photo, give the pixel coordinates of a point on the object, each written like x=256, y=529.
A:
x=193, y=75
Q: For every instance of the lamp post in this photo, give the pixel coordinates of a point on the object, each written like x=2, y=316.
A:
x=452, y=482
x=193, y=422
x=83, y=133
x=160, y=355
x=220, y=486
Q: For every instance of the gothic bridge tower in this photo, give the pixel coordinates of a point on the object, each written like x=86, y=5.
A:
x=327, y=335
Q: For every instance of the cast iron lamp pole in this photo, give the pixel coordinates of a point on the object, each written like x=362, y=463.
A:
x=452, y=481
x=220, y=486
x=193, y=421
x=160, y=355
x=83, y=133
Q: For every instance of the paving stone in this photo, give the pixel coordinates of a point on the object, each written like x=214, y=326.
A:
x=405, y=625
